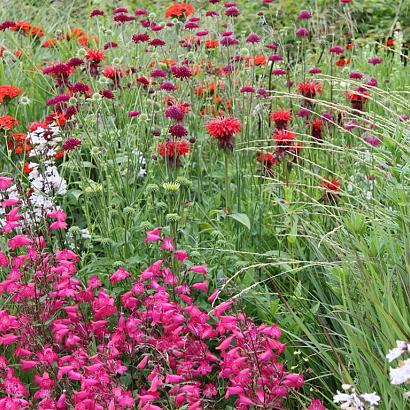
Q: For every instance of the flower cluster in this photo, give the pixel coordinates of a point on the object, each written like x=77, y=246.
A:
x=73, y=339
x=355, y=401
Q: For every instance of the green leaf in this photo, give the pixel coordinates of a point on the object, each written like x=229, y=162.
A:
x=241, y=218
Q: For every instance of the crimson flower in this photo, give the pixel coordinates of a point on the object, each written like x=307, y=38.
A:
x=333, y=185
x=310, y=89
x=172, y=151
x=71, y=143
x=223, y=129
x=284, y=137
x=281, y=118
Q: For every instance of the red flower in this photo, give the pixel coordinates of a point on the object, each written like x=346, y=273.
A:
x=281, y=118
x=28, y=29
x=95, y=56
x=316, y=128
x=71, y=143
x=284, y=137
x=310, y=89
x=8, y=92
x=358, y=97
x=179, y=10
x=210, y=43
x=223, y=130
x=333, y=185
x=7, y=122
x=172, y=151
x=267, y=160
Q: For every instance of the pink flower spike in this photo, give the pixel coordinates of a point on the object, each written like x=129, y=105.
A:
x=214, y=295
x=167, y=244
x=199, y=269
x=201, y=286
x=119, y=275
x=225, y=344
x=153, y=236
x=316, y=404
x=5, y=183
x=19, y=241
x=181, y=255
x=143, y=363
x=222, y=307
x=58, y=225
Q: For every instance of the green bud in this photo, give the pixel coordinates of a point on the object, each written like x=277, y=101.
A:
x=118, y=264
x=146, y=225
x=95, y=151
x=184, y=182
x=216, y=234
x=152, y=188
x=96, y=97
x=129, y=210
x=161, y=205
x=172, y=218
x=171, y=187
x=116, y=60
x=220, y=243
x=72, y=101
x=74, y=229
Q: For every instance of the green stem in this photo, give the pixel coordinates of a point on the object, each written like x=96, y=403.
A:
x=227, y=191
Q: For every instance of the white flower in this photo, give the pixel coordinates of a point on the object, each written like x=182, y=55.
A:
x=85, y=233
x=342, y=397
x=400, y=348
x=353, y=401
x=371, y=398
x=401, y=374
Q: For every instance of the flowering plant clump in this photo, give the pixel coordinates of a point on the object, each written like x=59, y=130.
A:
x=74, y=339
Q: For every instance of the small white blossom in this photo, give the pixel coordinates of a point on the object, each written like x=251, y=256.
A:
x=400, y=374
x=400, y=348
x=371, y=398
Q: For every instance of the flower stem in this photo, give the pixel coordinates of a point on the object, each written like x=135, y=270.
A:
x=227, y=191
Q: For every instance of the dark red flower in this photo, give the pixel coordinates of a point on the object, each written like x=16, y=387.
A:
x=281, y=118
x=223, y=130
x=70, y=144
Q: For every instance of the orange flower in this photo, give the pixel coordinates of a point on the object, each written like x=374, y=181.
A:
x=256, y=60
x=7, y=122
x=75, y=32
x=179, y=10
x=168, y=63
x=343, y=61
x=259, y=60
x=8, y=92
x=210, y=43
x=28, y=29
x=50, y=43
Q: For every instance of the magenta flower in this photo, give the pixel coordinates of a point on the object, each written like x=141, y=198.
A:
x=119, y=275
x=5, y=183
